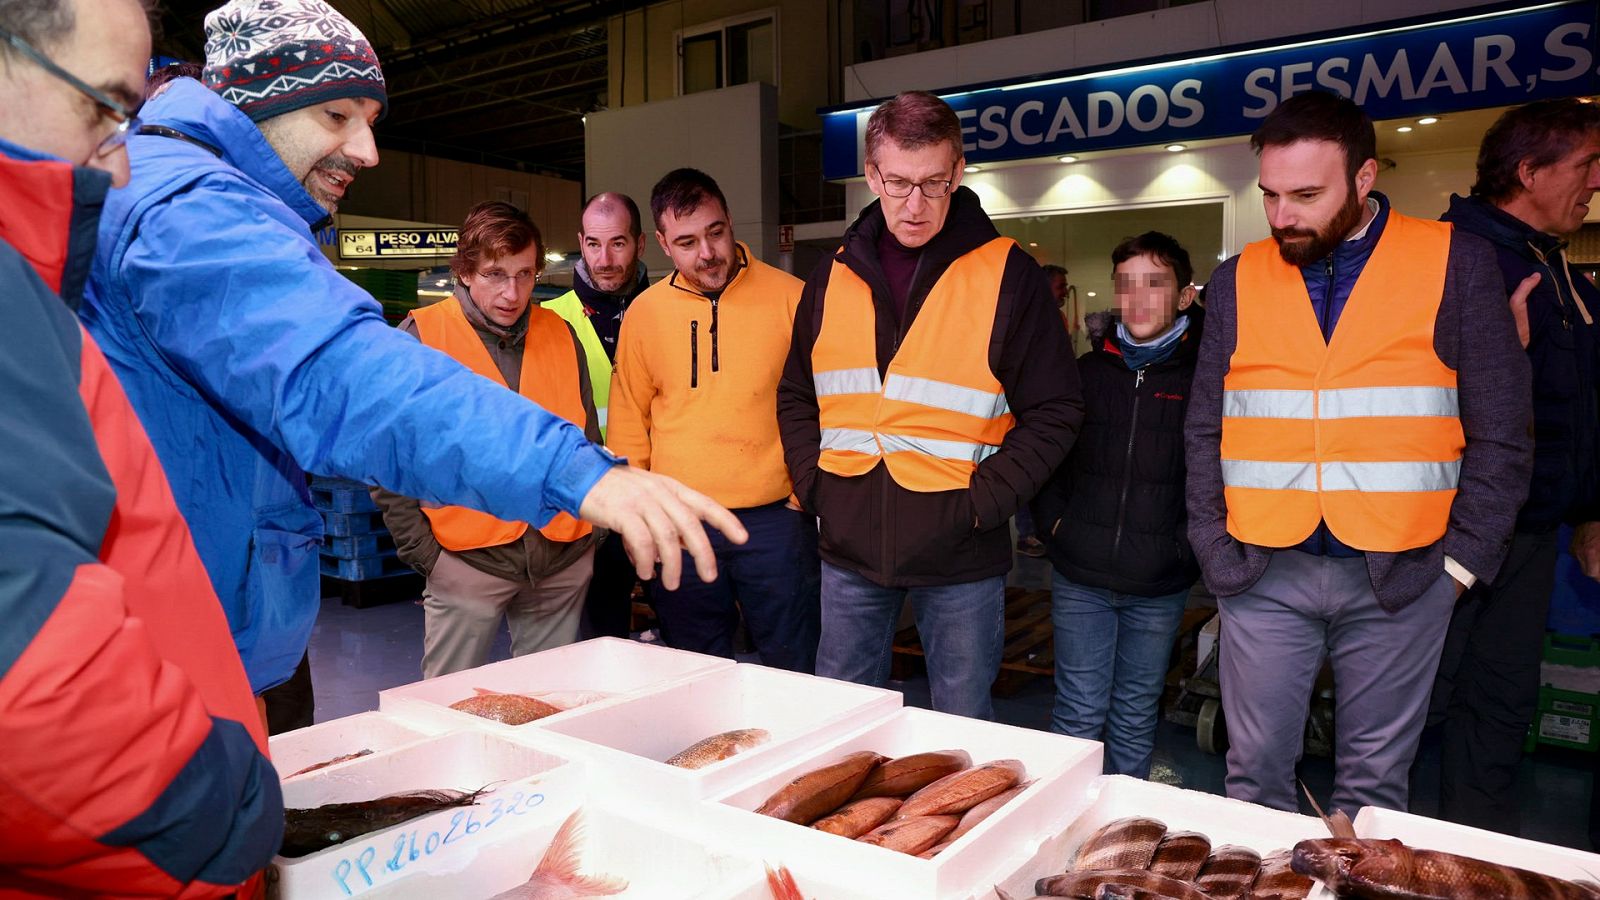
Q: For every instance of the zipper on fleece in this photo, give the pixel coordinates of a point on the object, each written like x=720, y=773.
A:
x=1127, y=468
x=694, y=353
x=714, y=364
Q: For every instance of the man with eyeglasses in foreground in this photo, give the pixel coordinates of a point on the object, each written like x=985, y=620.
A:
x=252, y=361
x=930, y=391
x=481, y=568
x=132, y=756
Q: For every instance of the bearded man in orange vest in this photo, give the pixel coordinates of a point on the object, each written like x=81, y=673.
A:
x=479, y=567
x=1358, y=445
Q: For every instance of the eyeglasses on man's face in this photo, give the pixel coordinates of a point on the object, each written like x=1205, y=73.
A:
x=498, y=278
x=899, y=188
x=127, y=120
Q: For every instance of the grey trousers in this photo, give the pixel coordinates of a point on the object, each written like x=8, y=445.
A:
x=1275, y=637
x=462, y=608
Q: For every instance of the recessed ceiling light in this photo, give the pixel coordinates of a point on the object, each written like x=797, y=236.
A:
x=1067, y=159
x=1033, y=243
x=1427, y=120
x=1176, y=148
x=970, y=169
x=1091, y=293
x=1404, y=129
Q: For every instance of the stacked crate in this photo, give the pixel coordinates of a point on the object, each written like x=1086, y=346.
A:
x=355, y=544
x=1569, y=694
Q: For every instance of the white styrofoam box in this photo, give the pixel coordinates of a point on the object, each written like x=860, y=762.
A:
x=529, y=787
x=633, y=737
x=1061, y=769
x=1433, y=834
x=1113, y=797
x=1206, y=641
x=375, y=731
x=656, y=862
x=613, y=667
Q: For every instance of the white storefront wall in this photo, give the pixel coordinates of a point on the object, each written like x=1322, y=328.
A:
x=1420, y=183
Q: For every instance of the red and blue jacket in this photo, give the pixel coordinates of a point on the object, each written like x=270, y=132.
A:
x=132, y=756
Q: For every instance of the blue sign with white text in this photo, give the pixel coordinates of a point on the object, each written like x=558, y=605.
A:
x=1471, y=61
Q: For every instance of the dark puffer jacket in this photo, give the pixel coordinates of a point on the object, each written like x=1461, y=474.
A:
x=1119, y=497
x=1562, y=349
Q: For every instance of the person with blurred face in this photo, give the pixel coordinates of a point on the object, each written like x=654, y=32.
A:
x=604, y=283
x=1114, y=512
x=253, y=361
x=929, y=393
x=123, y=701
x=1538, y=168
x=1358, y=444
x=481, y=569
x=693, y=396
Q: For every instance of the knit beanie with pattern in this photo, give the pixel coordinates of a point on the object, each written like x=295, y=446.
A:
x=269, y=57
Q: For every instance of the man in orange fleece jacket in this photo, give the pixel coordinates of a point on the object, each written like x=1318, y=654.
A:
x=694, y=396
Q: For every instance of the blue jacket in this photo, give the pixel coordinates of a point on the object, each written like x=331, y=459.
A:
x=1329, y=282
x=1562, y=349
x=251, y=361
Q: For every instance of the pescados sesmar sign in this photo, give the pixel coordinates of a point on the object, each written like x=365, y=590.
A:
x=1469, y=60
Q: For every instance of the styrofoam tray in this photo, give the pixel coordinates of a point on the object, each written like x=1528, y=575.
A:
x=633, y=737
x=1061, y=768
x=529, y=784
x=657, y=863
x=1434, y=834
x=1112, y=797
x=375, y=731
x=612, y=667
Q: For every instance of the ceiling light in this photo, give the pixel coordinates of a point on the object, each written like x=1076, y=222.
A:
x=1033, y=243
x=970, y=169
x=1067, y=159
x=583, y=120
x=554, y=257
x=1091, y=293
x=1427, y=120
x=1176, y=148
x=1404, y=129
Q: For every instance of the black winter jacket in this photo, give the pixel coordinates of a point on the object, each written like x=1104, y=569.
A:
x=1119, y=497
x=871, y=525
x=1562, y=350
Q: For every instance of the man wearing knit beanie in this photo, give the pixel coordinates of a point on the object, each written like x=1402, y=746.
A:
x=251, y=361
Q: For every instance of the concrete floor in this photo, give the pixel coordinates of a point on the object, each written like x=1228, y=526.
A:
x=357, y=652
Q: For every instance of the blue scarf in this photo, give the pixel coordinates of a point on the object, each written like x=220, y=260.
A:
x=1155, y=351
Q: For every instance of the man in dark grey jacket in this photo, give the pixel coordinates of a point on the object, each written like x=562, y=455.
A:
x=1340, y=500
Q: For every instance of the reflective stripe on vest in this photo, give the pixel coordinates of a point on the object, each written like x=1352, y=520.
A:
x=939, y=410
x=557, y=388
x=1361, y=431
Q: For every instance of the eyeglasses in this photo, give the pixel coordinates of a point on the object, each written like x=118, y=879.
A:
x=933, y=188
x=127, y=121
x=498, y=279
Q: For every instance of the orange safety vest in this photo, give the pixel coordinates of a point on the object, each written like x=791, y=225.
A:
x=939, y=410
x=1362, y=432
x=557, y=388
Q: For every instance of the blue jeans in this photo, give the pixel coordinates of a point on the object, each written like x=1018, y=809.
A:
x=1112, y=652
x=772, y=577
x=962, y=628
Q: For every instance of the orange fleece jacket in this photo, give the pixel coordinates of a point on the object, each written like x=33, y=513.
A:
x=701, y=405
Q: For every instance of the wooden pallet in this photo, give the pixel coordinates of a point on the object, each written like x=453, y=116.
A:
x=1029, y=648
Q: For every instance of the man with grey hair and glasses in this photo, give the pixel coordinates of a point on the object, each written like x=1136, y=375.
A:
x=930, y=391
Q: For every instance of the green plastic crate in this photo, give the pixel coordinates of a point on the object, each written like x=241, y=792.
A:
x=1565, y=718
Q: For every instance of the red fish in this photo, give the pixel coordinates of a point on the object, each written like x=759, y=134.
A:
x=557, y=877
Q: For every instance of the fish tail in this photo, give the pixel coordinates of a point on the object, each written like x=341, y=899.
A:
x=782, y=884
x=1339, y=824
x=561, y=862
